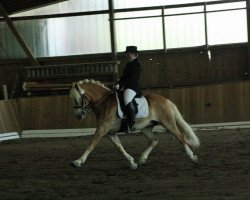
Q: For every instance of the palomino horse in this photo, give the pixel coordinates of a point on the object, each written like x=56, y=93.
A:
x=89, y=95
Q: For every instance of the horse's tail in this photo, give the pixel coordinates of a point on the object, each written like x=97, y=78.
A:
x=189, y=135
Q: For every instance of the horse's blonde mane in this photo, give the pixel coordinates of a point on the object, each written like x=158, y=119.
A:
x=92, y=82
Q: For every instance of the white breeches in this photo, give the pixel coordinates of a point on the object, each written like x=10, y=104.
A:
x=128, y=96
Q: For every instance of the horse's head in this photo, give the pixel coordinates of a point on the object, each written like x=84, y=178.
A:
x=84, y=95
x=80, y=101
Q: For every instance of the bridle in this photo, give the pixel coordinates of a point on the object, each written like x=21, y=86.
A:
x=86, y=104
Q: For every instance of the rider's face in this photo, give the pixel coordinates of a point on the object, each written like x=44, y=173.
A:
x=130, y=56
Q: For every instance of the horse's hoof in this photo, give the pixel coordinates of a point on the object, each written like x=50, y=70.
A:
x=75, y=164
x=195, y=159
x=141, y=161
x=133, y=166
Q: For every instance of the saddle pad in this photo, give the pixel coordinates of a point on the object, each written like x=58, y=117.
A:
x=142, y=107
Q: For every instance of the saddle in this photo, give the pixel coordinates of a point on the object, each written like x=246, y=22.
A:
x=139, y=102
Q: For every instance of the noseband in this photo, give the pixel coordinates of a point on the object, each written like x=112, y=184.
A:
x=85, y=105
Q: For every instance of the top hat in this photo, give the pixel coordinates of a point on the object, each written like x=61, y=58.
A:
x=131, y=49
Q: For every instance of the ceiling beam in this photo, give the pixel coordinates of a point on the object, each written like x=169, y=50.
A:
x=15, y=6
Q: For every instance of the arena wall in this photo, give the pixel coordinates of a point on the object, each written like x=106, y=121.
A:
x=54, y=112
x=227, y=102
x=217, y=103
x=182, y=67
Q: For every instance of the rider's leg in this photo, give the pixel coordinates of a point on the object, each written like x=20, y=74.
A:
x=128, y=96
x=130, y=113
x=129, y=108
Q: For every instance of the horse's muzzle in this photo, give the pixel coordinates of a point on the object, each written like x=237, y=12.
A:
x=80, y=116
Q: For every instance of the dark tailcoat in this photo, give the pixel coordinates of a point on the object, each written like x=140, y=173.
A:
x=131, y=76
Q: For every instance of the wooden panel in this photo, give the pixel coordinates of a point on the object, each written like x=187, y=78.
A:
x=50, y=113
x=191, y=67
x=174, y=68
x=201, y=104
x=214, y=103
x=9, y=117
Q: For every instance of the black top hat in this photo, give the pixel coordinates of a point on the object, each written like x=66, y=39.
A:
x=131, y=49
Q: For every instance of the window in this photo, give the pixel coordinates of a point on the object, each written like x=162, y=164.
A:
x=65, y=36
x=34, y=33
x=184, y=30
x=145, y=33
x=91, y=34
x=227, y=26
x=79, y=35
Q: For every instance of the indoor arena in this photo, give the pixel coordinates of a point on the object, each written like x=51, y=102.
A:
x=125, y=100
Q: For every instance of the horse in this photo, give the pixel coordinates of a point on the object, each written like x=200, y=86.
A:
x=92, y=96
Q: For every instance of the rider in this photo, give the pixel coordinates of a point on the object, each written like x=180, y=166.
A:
x=129, y=83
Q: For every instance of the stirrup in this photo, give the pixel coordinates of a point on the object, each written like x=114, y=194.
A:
x=130, y=129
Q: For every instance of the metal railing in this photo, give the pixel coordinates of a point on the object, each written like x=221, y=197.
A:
x=71, y=70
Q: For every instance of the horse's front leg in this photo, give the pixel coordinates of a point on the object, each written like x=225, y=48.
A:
x=100, y=132
x=116, y=141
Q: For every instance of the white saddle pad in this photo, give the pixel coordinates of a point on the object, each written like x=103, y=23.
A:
x=142, y=107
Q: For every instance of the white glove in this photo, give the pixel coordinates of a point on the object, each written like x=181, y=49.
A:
x=116, y=86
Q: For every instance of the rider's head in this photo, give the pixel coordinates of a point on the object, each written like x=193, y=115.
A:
x=131, y=52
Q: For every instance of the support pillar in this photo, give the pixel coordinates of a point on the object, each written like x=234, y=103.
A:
x=113, y=38
x=247, y=73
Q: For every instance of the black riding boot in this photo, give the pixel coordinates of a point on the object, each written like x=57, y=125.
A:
x=130, y=114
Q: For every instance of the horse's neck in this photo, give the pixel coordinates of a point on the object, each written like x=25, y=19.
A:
x=96, y=92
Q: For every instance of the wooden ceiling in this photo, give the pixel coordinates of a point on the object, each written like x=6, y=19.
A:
x=14, y=6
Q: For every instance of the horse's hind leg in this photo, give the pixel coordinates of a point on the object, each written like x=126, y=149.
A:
x=152, y=140
x=181, y=138
x=116, y=141
x=169, y=123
